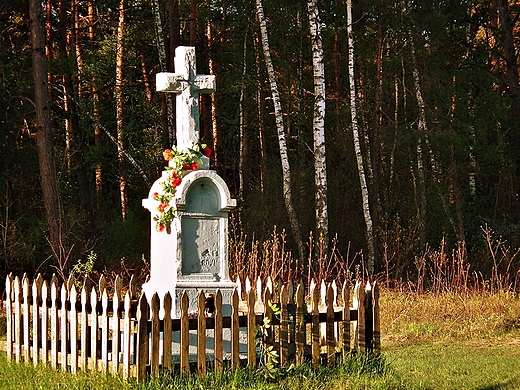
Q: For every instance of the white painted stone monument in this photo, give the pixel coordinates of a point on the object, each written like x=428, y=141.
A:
x=191, y=254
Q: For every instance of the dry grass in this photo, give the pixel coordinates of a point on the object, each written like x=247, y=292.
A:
x=449, y=316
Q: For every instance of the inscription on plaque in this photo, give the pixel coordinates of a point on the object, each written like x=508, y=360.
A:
x=200, y=239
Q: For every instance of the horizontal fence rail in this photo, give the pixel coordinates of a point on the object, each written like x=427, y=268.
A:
x=76, y=327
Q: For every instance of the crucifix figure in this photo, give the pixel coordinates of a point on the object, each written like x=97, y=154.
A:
x=188, y=86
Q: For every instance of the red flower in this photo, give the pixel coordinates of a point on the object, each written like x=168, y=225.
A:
x=156, y=196
x=194, y=166
x=207, y=151
x=159, y=227
x=176, y=181
x=162, y=206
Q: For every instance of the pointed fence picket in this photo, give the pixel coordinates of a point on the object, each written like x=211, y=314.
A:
x=78, y=327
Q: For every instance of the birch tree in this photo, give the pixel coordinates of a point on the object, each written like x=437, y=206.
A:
x=119, y=106
x=280, y=128
x=357, y=145
x=318, y=124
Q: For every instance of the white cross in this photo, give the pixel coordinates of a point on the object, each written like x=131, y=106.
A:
x=188, y=85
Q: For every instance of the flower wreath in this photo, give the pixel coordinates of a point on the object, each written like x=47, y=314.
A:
x=180, y=164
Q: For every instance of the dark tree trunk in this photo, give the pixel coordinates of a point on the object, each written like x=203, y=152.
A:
x=48, y=179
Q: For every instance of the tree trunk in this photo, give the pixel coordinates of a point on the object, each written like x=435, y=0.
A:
x=175, y=40
x=337, y=67
x=167, y=98
x=472, y=180
x=423, y=132
x=212, y=97
x=320, y=164
x=510, y=56
x=48, y=178
x=357, y=146
x=286, y=169
x=241, y=125
x=260, y=112
x=95, y=113
x=119, y=107
x=75, y=145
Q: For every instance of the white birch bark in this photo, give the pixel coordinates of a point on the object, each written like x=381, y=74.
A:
x=119, y=106
x=357, y=146
x=241, y=129
x=318, y=127
x=161, y=49
x=286, y=169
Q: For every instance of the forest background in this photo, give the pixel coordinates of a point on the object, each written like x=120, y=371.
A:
x=422, y=151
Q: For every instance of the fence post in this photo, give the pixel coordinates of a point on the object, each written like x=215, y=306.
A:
x=73, y=330
x=37, y=334
x=93, y=329
x=315, y=327
x=116, y=325
x=9, y=315
x=359, y=326
x=201, y=334
x=127, y=334
x=185, y=335
x=104, y=327
x=376, y=320
x=268, y=316
x=300, y=324
x=45, y=321
x=369, y=321
x=154, y=318
x=251, y=327
x=142, y=338
x=83, y=362
x=284, y=325
x=346, y=319
x=167, y=332
x=330, y=339
x=219, y=353
x=54, y=321
x=235, y=357
x=26, y=318
x=63, y=327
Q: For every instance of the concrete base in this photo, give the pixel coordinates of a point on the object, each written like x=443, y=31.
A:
x=193, y=288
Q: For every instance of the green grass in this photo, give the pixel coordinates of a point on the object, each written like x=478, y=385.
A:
x=484, y=364
x=430, y=341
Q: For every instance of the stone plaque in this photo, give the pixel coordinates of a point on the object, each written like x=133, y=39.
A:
x=200, y=242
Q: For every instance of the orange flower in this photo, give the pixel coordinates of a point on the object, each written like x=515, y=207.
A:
x=156, y=196
x=167, y=154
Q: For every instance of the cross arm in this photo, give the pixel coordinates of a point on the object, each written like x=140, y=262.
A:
x=169, y=82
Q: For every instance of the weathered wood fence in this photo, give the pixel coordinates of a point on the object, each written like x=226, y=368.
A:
x=87, y=329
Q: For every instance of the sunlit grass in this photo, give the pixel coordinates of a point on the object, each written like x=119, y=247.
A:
x=446, y=316
x=429, y=341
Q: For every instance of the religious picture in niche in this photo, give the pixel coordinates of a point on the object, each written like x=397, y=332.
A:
x=201, y=231
x=203, y=198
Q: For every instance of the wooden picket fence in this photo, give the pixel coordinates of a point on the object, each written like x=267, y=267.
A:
x=87, y=329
